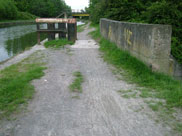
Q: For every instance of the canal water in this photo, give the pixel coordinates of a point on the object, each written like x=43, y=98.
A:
x=16, y=39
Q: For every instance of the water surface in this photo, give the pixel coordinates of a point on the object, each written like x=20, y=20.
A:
x=12, y=40
x=16, y=39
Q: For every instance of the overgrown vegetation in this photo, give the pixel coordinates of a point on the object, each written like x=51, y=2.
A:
x=144, y=11
x=164, y=86
x=76, y=85
x=29, y=9
x=57, y=43
x=15, y=85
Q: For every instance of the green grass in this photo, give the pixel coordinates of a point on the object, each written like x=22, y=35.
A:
x=95, y=34
x=76, y=84
x=15, y=86
x=57, y=43
x=145, y=93
x=154, y=107
x=165, y=87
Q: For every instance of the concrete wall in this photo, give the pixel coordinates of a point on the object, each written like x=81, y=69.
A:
x=148, y=42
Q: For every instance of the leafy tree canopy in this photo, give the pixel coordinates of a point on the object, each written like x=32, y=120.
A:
x=143, y=11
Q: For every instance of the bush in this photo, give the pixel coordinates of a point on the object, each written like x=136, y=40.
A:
x=176, y=49
x=168, y=13
x=25, y=16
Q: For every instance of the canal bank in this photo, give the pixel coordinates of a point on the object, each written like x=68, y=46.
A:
x=14, y=23
x=16, y=39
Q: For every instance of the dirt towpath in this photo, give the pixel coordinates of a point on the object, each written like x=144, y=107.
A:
x=98, y=111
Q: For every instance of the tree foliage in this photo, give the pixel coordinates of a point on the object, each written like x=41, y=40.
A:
x=24, y=9
x=43, y=8
x=143, y=11
x=8, y=10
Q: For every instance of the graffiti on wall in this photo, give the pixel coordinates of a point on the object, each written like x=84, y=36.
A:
x=110, y=30
x=127, y=36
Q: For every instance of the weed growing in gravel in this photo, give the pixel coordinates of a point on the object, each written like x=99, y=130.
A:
x=69, y=51
x=76, y=85
x=57, y=43
x=76, y=97
x=15, y=85
x=128, y=93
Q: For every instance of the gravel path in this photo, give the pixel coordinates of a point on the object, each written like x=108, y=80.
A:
x=98, y=111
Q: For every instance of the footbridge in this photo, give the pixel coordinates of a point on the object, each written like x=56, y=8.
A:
x=79, y=13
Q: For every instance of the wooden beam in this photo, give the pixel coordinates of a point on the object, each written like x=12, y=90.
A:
x=55, y=20
x=51, y=31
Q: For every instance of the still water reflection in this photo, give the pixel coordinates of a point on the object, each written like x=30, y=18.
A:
x=22, y=43
x=16, y=39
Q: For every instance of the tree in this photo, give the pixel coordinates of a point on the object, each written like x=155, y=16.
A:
x=144, y=11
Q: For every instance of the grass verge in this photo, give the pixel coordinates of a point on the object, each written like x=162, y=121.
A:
x=76, y=85
x=136, y=71
x=57, y=43
x=152, y=85
x=15, y=85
